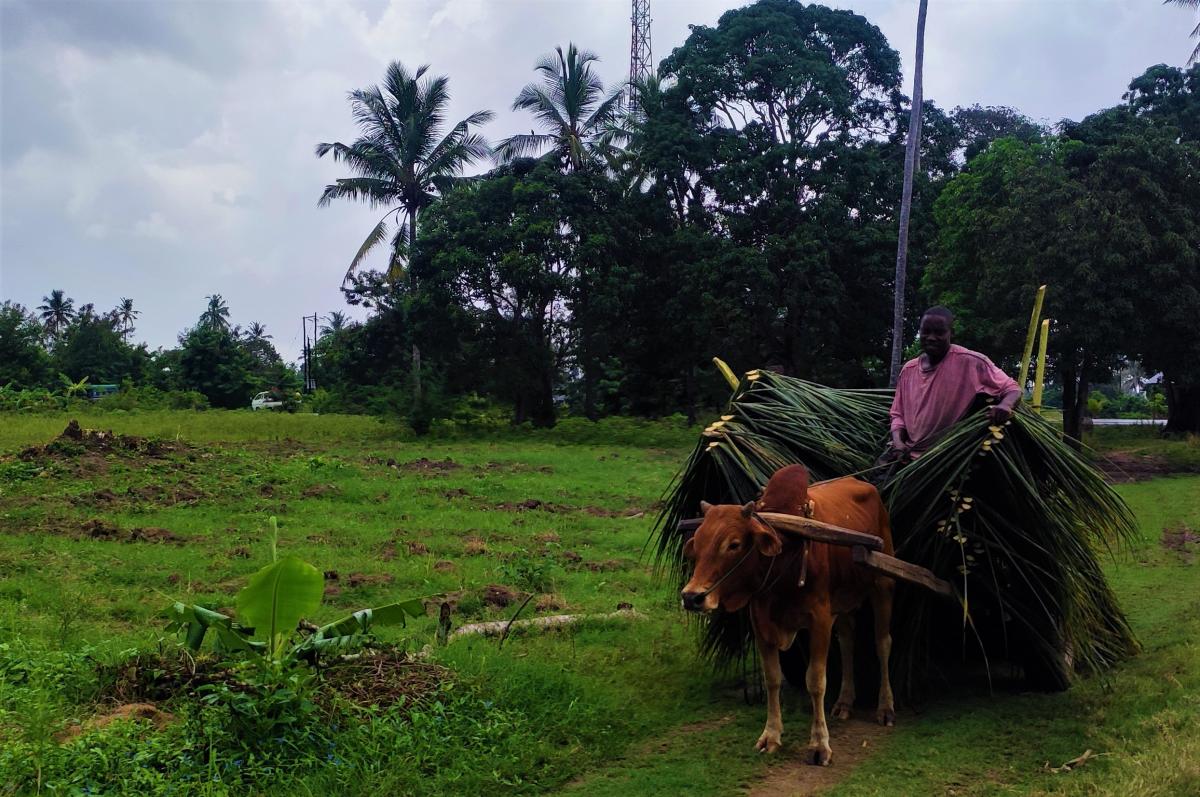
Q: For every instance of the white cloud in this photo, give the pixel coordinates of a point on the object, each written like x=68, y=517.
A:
x=156, y=227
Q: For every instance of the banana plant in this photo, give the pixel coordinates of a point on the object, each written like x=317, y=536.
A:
x=272, y=604
x=70, y=388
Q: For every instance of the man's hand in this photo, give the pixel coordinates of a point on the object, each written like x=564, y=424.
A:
x=901, y=446
x=1001, y=413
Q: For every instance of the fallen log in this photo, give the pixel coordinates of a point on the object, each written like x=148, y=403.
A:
x=498, y=627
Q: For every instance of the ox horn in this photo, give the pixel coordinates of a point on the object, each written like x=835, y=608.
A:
x=748, y=509
x=704, y=507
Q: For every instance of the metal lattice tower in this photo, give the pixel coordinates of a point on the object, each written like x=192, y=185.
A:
x=640, y=60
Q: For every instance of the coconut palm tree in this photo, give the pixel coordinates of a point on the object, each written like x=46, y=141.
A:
x=57, y=311
x=257, y=331
x=576, y=114
x=402, y=158
x=216, y=315
x=912, y=154
x=337, y=321
x=1193, y=4
x=125, y=315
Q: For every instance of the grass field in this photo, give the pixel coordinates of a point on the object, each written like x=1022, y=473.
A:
x=94, y=545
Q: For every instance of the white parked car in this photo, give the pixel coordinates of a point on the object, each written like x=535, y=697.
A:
x=263, y=401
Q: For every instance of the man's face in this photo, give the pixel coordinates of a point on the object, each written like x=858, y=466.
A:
x=935, y=336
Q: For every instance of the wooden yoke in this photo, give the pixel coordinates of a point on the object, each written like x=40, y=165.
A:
x=866, y=548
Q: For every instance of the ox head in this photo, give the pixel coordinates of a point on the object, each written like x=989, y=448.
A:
x=727, y=548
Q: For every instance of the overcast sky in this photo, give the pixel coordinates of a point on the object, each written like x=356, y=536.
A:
x=163, y=150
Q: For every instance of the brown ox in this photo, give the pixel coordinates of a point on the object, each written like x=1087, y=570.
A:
x=741, y=560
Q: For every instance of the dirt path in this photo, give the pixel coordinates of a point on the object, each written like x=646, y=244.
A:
x=852, y=741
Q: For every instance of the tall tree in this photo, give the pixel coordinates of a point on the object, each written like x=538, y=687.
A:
x=1193, y=4
x=92, y=348
x=216, y=314
x=257, y=331
x=978, y=126
x=496, y=248
x=801, y=170
x=23, y=361
x=57, y=311
x=403, y=162
x=335, y=322
x=403, y=158
x=213, y=362
x=911, y=154
x=125, y=316
x=572, y=107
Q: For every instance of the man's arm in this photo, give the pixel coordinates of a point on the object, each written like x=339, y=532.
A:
x=900, y=442
x=994, y=382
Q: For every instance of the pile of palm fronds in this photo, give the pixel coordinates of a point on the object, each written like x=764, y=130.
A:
x=1012, y=516
x=1015, y=518
x=773, y=421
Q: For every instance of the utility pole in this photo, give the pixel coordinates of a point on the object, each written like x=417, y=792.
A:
x=640, y=59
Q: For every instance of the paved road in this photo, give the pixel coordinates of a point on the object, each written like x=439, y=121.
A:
x=1128, y=422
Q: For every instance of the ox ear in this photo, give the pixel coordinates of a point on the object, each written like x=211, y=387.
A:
x=767, y=540
x=689, y=548
x=748, y=510
x=704, y=507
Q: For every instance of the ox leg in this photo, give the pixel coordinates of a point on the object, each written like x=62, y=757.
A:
x=881, y=602
x=820, y=636
x=845, y=635
x=769, y=741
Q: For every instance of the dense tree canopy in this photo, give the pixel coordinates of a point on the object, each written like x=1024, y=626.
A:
x=1108, y=215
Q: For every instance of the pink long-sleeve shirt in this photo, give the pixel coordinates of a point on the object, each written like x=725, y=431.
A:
x=929, y=400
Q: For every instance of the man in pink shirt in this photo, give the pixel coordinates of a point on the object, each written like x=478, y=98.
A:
x=937, y=389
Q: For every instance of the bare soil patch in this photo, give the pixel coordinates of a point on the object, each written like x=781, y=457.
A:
x=425, y=465
x=384, y=678
x=128, y=711
x=320, y=491
x=77, y=443
x=1121, y=467
x=369, y=579
x=99, y=529
x=499, y=596
x=380, y=677
x=1181, y=539
x=852, y=740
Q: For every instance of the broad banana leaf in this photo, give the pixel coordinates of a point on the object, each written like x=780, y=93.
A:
x=351, y=630
x=277, y=597
x=195, y=621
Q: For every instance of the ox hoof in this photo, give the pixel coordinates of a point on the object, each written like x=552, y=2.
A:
x=886, y=716
x=818, y=756
x=841, y=711
x=768, y=742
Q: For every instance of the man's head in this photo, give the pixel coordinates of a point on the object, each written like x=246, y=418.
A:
x=937, y=327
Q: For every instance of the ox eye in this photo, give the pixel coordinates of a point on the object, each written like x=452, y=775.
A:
x=733, y=546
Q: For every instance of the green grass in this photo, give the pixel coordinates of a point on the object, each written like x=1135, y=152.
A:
x=606, y=708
